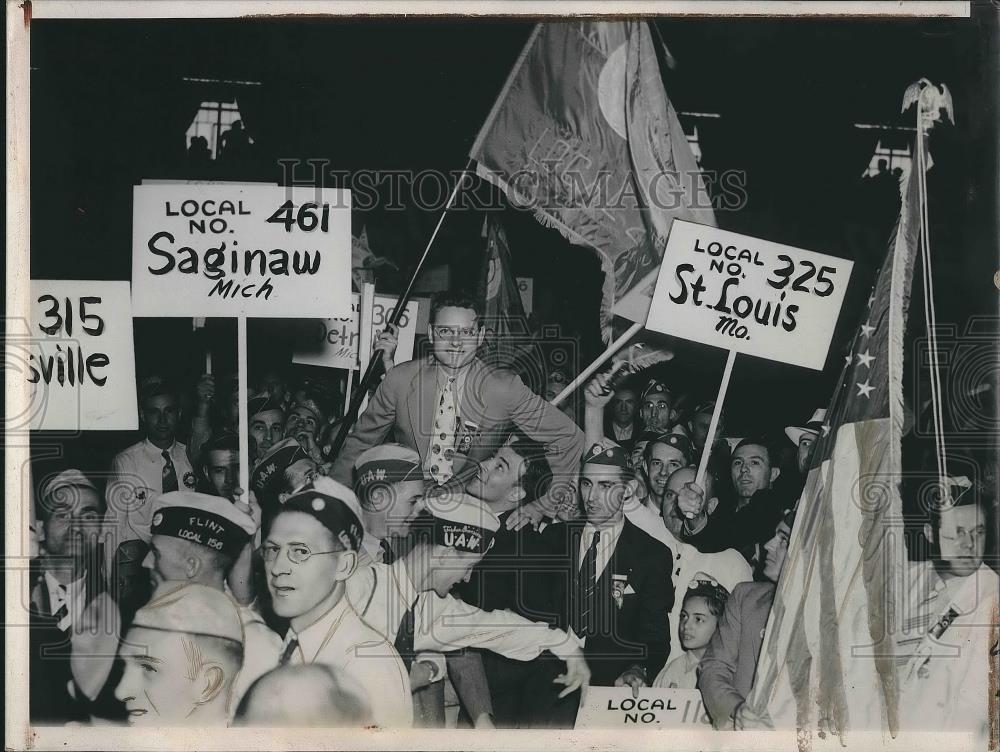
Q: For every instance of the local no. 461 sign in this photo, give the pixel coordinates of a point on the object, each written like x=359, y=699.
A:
x=748, y=295
x=229, y=250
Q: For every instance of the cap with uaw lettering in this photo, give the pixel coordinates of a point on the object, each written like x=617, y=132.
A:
x=210, y=521
x=196, y=610
x=387, y=463
x=462, y=522
x=334, y=505
x=268, y=474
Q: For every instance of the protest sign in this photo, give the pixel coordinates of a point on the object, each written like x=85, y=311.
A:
x=615, y=707
x=333, y=343
x=748, y=295
x=241, y=249
x=81, y=360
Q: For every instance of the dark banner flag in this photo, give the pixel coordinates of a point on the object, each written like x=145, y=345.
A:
x=509, y=340
x=583, y=134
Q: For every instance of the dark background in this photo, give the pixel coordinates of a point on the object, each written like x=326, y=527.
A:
x=109, y=108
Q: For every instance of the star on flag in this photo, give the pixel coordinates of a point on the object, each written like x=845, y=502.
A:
x=865, y=359
x=865, y=390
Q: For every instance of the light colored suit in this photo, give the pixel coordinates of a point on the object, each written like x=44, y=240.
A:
x=492, y=403
x=727, y=669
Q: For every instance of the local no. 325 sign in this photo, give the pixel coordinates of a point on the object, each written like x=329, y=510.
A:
x=748, y=295
x=226, y=250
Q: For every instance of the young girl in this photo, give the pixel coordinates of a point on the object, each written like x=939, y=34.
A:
x=703, y=604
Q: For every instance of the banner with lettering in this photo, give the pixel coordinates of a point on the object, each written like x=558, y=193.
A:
x=749, y=295
x=615, y=707
x=81, y=357
x=333, y=343
x=241, y=249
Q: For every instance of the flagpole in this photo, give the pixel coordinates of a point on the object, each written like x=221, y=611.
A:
x=375, y=364
x=714, y=423
x=603, y=358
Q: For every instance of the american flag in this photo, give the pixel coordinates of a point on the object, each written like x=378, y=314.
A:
x=828, y=659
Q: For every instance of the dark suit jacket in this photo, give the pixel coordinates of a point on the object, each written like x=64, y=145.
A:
x=493, y=403
x=53, y=696
x=510, y=574
x=726, y=671
x=749, y=527
x=632, y=629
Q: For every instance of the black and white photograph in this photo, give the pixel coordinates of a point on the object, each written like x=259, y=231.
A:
x=499, y=376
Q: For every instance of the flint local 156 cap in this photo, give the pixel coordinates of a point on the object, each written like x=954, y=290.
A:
x=210, y=521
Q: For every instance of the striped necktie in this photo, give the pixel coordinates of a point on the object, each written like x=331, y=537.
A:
x=169, y=472
x=286, y=655
x=587, y=586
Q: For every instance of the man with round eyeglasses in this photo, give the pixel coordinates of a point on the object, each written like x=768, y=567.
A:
x=309, y=551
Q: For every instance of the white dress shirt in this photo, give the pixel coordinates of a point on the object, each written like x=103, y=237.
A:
x=341, y=640
x=944, y=682
x=383, y=593
x=60, y=595
x=605, y=546
x=136, y=479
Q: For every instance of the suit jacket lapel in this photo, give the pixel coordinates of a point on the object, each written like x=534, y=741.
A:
x=420, y=405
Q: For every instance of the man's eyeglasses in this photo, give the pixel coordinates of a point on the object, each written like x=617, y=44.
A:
x=448, y=332
x=296, y=554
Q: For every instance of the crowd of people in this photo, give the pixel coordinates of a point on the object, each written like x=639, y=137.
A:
x=468, y=533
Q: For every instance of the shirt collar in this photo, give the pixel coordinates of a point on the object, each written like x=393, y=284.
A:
x=313, y=638
x=151, y=448
x=615, y=530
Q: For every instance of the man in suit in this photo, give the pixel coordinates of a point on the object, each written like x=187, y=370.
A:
x=456, y=411
x=761, y=496
x=67, y=594
x=618, y=592
x=727, y=670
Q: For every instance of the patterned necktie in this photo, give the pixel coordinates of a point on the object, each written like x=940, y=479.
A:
x=286, y=654
x=587, y=586
x=440, y=459
x=169, y=473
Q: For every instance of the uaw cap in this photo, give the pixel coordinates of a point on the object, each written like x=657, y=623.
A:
x=814, y=426
x=678, y=441
x=268, y=474
x=261, y=403
x=462, y=522
x=334, y=505
x=210, y=521
x=191, y=609
x=71, y=478
x=612, y=455
x=655, y=387
x=388, y=463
